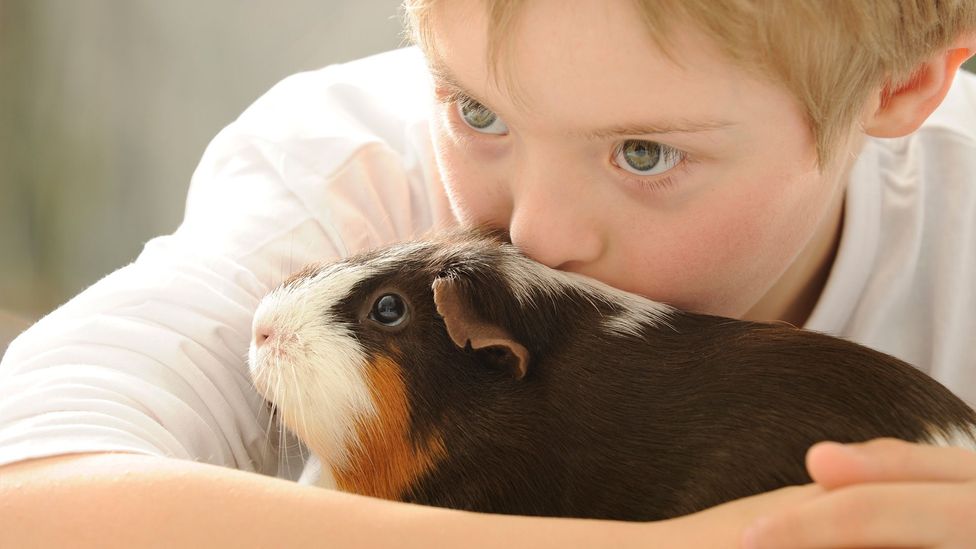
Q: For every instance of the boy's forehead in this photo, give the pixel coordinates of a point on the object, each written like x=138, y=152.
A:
x=563, y=60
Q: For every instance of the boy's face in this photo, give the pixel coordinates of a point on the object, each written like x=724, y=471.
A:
x=696, y=185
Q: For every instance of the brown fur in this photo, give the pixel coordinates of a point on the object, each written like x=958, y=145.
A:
x=386, y=461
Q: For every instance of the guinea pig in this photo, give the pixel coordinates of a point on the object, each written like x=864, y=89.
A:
x=457, y=372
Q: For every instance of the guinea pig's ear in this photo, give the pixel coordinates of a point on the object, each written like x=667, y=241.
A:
x=466, y=328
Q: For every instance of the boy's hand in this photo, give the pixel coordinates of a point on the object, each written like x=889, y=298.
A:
x=882, y=493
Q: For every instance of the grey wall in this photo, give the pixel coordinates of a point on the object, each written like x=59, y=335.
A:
x=107, y=105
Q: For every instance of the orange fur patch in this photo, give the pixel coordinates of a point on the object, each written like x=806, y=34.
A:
x=386, y=463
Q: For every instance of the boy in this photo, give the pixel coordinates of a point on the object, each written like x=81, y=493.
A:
x=722, y=156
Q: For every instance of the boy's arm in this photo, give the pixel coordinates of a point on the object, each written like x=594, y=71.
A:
x=127, y=500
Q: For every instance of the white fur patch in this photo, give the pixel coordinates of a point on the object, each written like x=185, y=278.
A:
x=528, y=278
x=957, y=437
x=312, y=369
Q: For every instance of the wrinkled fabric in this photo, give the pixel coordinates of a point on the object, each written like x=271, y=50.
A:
x=152, y=358
x=904, y=279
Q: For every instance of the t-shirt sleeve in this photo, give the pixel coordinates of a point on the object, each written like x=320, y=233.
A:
x=152, y=358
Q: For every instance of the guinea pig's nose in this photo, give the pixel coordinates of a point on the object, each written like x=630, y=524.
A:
x=262, y=332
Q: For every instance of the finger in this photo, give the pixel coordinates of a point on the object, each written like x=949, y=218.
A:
x=873, y=515
x=834, y=465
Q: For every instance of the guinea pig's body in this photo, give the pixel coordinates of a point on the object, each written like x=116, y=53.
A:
x=495, y=384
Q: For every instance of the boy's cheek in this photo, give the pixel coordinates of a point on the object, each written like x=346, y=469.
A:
x=475, y=196
x=477, y=202
x=718, y=268
x=719, y=257
x=478, y=193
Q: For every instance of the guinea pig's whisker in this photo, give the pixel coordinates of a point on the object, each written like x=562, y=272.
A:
x=274, y=422
x=321, y=386
x=273, y=417
x=282, y=390
x=283, y=449
x=300, y=395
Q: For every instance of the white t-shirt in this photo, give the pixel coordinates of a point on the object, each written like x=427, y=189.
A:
x=152, y=358
x=904, y=279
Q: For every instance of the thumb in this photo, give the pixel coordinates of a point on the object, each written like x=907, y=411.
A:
x=833, y=465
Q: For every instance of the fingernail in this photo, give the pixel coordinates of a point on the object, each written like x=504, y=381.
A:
x=753, y=535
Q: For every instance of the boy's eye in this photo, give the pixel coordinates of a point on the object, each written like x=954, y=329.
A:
x=480, y=118
x=646, y=157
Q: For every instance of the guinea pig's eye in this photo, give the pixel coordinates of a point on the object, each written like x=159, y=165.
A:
x=388, y=310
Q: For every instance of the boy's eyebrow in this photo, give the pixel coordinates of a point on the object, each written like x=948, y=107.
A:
x=440, y=71
x=443, y=75
x=676, y=126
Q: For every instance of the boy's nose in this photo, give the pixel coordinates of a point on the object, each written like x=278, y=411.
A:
x=557, y=231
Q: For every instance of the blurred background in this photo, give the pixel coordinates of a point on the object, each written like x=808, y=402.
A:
x=107, y=105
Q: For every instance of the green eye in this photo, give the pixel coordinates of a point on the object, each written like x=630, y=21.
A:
x=480, y=118
x=646, y=157
x=641, y=155
x=476, y=115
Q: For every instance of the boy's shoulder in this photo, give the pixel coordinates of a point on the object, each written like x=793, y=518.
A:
x=901, y=281
x=374, y=94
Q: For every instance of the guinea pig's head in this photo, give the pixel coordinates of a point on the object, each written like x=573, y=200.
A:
x=386, y=362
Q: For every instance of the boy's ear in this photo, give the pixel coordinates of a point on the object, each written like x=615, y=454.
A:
x=902, y=110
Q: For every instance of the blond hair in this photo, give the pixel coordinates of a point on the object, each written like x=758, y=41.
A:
x=829, y=54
